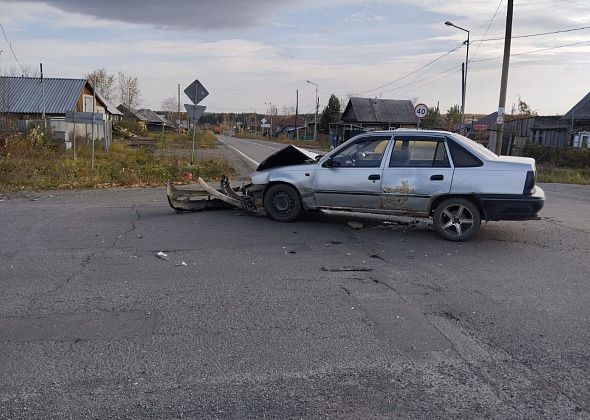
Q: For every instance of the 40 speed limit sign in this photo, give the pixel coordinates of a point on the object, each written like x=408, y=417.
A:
x=421, y=111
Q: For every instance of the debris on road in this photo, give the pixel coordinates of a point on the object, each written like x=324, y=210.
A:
x=163, y=256
x=355, y=225
x=181, y=264
x=139, y=236
x=40, y=198
x=346, y=268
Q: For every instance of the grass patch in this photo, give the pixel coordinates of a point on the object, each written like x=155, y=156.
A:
x=546, y=173
x=34, y=165
x=171, y=140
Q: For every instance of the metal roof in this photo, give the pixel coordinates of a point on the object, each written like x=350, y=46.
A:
x=22, y=95
x=128, y=111
x=369, y=110
x=111, y=109
x=150, y=116
x=580, y=111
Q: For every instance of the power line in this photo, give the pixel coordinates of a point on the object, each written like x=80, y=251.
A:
x=412, y=72
x=11, y=49
x=538, y=34
x=434, y=81
x=487, y=29
x=534, y=51
x=423, y=79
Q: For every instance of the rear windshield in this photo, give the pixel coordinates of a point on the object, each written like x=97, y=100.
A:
x=476, y=147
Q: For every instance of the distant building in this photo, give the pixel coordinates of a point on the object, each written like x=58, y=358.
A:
x=380, y=114
x=154, y=121
x=578, y=118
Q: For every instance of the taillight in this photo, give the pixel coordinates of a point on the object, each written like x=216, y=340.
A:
x=529, y=183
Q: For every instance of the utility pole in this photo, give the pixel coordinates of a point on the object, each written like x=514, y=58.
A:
x=43, y=98
x=93, y=115
x=297, y=116
x=504, y=81
x=178, y=108
x=317, y=105
x=463, y=75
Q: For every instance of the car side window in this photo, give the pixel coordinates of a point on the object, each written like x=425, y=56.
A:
x=366, y=152
x=462, y=158
x=417, y=153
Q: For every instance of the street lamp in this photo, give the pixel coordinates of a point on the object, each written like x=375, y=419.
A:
x=464, y=81
x=315, y=125
x=271, y=111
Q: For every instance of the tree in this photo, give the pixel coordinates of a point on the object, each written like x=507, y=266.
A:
x=103, y=82
x=453, y=117
x=330, y=114
x=432, y=120
x=522, y=109
x=128, y=90
x=170, y=107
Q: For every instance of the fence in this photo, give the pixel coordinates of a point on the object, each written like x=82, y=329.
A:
x=64, y=131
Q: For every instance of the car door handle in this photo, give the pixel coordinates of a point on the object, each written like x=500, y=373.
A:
x=437, y=177
x=374, y=177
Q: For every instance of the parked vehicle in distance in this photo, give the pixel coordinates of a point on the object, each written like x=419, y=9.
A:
x=419, y=173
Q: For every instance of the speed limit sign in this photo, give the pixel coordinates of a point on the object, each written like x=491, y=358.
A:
x=421, y=111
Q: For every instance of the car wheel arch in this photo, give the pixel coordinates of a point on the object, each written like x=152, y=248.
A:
x=471, y=197
x=273, y=183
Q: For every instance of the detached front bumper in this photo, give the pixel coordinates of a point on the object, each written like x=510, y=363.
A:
x=512, y=207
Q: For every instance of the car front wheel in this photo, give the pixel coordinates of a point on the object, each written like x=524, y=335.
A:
x=282, y=203
x=457, y=219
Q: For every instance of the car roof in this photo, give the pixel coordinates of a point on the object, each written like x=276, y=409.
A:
x=473, y=146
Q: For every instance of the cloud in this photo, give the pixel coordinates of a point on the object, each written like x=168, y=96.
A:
x=198, y=14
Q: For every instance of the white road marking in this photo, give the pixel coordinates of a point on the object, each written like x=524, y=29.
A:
x=262, y=145
x=240, y=152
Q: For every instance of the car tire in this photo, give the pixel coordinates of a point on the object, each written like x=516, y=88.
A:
x=282, y=203
x=457, y=219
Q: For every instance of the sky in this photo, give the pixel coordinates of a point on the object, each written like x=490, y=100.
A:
x=249, y=54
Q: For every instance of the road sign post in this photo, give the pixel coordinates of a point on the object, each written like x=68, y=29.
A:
x=420, y=111
x=196, y=93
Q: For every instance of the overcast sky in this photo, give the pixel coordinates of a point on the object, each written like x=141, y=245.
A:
x=248, y=53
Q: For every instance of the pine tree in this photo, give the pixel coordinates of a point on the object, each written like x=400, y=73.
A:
x=331, y=113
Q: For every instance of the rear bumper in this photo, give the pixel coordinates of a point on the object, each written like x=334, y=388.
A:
x=512, y=207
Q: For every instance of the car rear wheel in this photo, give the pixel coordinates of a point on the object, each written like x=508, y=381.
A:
x=457, y=219
x=282, y=203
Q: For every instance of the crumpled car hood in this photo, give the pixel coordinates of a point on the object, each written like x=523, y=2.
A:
x=290, y=155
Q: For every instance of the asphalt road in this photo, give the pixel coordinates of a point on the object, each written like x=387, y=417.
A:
x=303, y=320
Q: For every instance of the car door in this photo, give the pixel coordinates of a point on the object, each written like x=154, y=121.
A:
x=351, y=177
x=417, y=169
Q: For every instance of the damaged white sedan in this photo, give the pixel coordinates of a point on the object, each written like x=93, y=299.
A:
x=416, y=173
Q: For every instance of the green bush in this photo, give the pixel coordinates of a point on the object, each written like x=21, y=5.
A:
x=561, y=158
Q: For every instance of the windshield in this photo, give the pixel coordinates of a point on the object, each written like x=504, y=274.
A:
x=488, y=154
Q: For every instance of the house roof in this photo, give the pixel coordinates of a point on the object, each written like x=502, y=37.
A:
x=150, y=116
x=580, y=111
x=23, y=95
x=110, y=107
x=489, y=120
x=368, y=110
x=126, y=110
